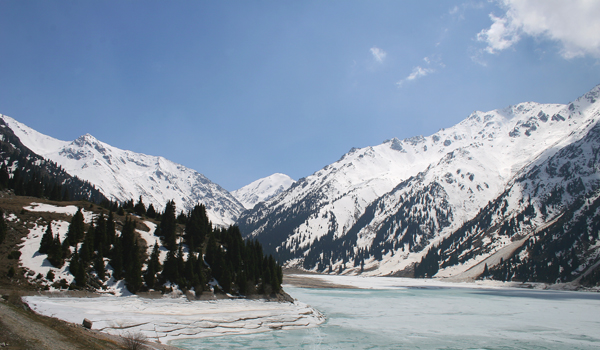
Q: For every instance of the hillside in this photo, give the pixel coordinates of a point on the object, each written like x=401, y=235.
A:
x=120, y=253
x=379, y=210
x=122, y=175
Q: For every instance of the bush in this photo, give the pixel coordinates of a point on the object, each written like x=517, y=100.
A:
x=50, y=276
x=15, y=297
x=134, y=341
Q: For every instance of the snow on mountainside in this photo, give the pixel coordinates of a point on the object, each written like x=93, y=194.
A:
x=379, y=209
x=123, y=175
x=262, y=189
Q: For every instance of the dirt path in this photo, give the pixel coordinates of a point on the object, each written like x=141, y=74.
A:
x=22, y=329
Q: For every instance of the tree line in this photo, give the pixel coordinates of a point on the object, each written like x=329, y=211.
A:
x=198, y=255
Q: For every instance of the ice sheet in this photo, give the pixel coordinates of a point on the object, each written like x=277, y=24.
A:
x=167, y=318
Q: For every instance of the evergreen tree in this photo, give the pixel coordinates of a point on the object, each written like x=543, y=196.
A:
x=4, y=176
x=140, y=208
x=86, y=252
x=128, y=242
x=190, y=274
x=76, y=229
x=153, y=267
x=55, y=253
x=117, y=260
x=78, y=270
x=111, y=229
x=168, y=226
x=197, y=227
x=100, y=236
x=99, y=264
x=169, y=272
x=66, y=196
x=133, y=273
x=47, y=240
x=3, y=227
x=151, y=212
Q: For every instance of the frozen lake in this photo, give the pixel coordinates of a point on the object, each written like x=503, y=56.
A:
x=432, y=317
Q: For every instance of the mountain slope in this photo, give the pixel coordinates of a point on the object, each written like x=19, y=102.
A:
x=547, y=221
x=32, y=173
x=380, y=208
x=123, y=175
x=262, y=189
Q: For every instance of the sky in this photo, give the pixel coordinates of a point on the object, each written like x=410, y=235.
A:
x=239, y=90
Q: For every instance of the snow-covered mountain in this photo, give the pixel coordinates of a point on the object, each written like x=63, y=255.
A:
x=262, y=189
x=380, y=209
x=123, y=175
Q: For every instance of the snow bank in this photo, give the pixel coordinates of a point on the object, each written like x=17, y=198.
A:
x=167, y=318
x=37, y=264
x=69, y=210
x=373, y=282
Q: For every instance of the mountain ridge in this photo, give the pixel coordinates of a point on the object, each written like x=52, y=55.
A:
x=472, y=163
x=125, y=175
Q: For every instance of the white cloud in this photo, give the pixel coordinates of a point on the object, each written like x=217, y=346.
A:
x=417, y=72
x=574, y=24
x=378, y=54
x=420, y=72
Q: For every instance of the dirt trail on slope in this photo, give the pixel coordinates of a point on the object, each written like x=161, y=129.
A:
x=22, y=329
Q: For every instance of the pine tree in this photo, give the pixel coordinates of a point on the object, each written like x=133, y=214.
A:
x=76, y=229
x=169, y=272
x=191, y=273
x=133, y=274
x=99, y=264
x=128, y=241
x=66, y=196
x=151, y=212
x=168, y=226
x=3, y=227
x=117, y=260
x=86, y=252
x=100, y=236
x=47, y=240
x=197, y=227
x=111, y=229
x=153, y=267
x=140, y=208
x=55, y=253
x=78, y=270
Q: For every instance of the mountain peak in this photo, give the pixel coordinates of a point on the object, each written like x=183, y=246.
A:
x=123, y=175
x=85, y=139
x=262, y=189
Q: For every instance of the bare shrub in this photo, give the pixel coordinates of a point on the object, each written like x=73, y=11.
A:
x=15, y=297
x=134, y=340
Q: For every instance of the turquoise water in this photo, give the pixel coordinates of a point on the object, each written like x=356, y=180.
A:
x=441, y=318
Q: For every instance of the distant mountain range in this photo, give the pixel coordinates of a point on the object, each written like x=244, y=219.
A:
x=124, y=175
x=510, y=194
x=396, y=208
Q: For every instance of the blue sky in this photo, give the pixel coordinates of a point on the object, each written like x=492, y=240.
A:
x=238, y=90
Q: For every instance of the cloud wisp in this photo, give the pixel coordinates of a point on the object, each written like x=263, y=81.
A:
x=378, y=54
x=574, y=24
x=423, y=71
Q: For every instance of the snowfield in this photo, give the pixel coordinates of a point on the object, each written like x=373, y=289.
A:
x=166, y=319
